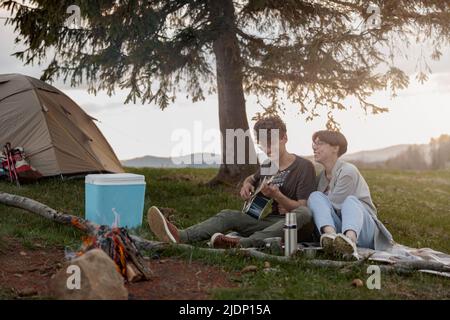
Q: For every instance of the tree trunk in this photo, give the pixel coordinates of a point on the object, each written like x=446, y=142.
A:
x=232, y=112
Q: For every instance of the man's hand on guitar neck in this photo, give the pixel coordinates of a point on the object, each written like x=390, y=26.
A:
x=270, y=190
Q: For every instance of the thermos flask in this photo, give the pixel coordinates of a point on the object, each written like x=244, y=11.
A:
x=290, y=234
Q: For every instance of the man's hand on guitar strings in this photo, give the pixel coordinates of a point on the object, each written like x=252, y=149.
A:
x=247, y=191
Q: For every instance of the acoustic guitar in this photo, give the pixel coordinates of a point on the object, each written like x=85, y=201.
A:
x=258, y=204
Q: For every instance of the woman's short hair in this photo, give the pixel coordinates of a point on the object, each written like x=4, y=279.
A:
x=333, y=138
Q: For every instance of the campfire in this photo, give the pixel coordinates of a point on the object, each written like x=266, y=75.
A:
x=117, y=243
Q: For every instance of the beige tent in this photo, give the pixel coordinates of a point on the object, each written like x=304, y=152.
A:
x=56, y=134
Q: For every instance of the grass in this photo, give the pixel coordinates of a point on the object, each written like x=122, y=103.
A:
x=414, y=205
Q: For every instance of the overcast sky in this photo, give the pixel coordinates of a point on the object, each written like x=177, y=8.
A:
x=416, y=115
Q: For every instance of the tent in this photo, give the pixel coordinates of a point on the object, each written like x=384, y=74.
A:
x=58, y=137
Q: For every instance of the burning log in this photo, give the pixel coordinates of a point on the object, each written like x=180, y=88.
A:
x=116, y=242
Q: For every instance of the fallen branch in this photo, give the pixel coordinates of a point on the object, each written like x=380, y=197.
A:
x=398, y=267
x=144, y=244
x=94, y=231
x=36, y=207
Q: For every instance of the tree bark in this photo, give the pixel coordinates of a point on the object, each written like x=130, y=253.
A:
x=232, y=111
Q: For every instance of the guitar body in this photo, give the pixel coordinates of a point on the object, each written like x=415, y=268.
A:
x=257, y=205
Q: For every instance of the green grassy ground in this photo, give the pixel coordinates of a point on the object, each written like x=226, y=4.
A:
x=415, y=207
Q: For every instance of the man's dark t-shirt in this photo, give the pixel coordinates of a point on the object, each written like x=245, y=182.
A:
x=296, y=182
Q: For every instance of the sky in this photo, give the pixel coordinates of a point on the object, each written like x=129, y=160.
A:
x=417, y=114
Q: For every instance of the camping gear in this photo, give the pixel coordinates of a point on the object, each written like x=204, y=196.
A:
x=3, y=172
x=10, y=164
x=290, y=234
x=58, y=136
x=116, y=200
x=15, y=164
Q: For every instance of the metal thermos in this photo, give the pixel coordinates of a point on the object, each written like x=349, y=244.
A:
x=290, y=234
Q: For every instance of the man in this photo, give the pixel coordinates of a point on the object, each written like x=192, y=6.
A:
x=296, y=181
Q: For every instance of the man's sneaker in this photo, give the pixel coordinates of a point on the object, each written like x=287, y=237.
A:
x=161, y=227
x=344, y=246
x=327, y=242
x=219, y=240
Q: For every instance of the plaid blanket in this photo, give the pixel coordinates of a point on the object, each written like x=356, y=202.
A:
x=400, y=253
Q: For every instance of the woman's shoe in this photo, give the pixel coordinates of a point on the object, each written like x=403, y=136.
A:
x=344, y=246
x=327, y=242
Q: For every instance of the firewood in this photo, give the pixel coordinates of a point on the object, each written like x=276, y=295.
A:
x=91, y=229
x=133, y=274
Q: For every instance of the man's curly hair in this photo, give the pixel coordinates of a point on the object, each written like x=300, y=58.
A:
x=269, y=123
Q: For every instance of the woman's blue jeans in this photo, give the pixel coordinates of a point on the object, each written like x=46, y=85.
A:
x=352, y=216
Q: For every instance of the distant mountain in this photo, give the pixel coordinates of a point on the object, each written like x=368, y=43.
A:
x=197, y=160
x=377, y=155
x=385, y=157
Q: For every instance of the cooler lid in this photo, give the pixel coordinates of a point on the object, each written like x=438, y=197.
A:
x=115, y=179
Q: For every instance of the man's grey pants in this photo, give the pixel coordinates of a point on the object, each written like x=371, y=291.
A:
x=252, y=230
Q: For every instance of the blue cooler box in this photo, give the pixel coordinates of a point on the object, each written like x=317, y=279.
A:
x=115, y=199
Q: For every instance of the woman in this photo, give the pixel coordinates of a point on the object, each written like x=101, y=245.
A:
x=342, y=208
